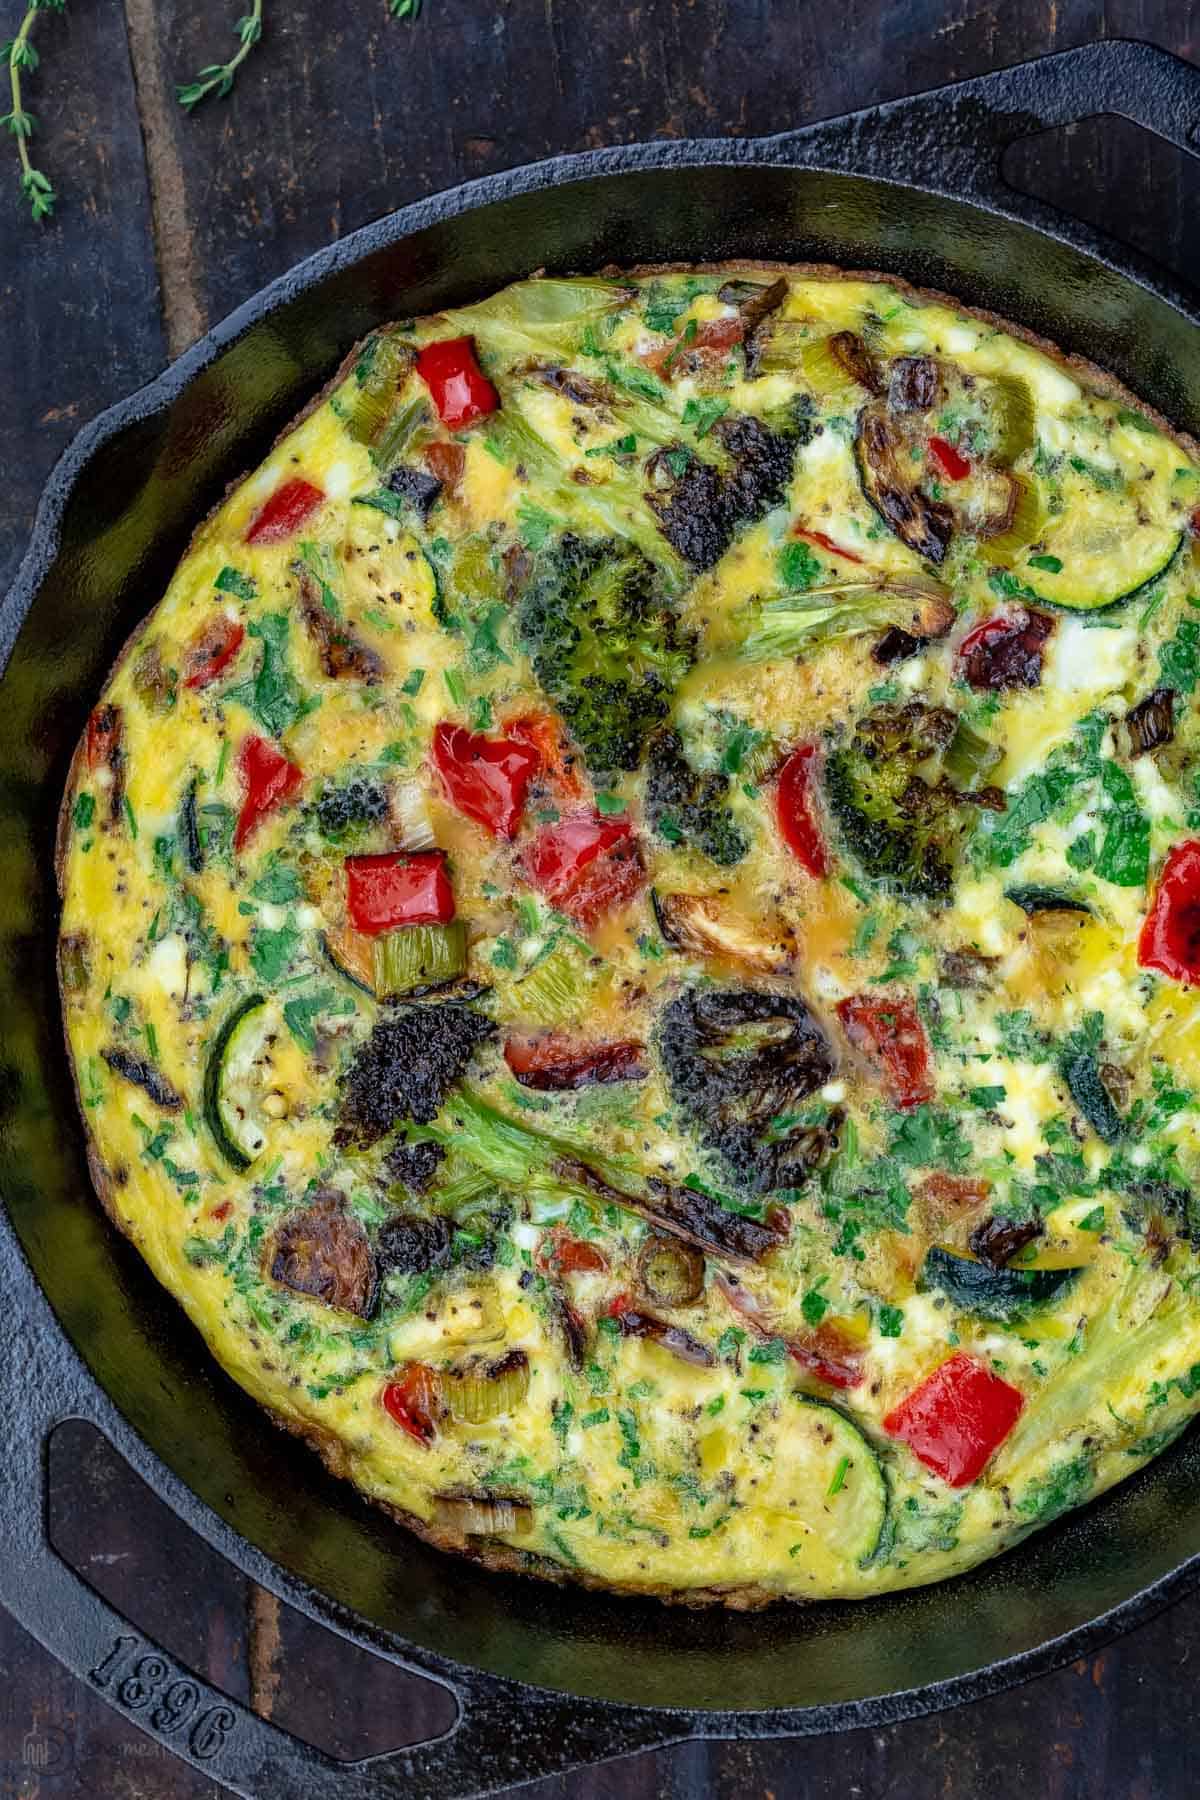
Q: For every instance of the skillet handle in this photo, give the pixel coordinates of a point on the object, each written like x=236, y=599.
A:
x=953, y=138
x=505, y=1734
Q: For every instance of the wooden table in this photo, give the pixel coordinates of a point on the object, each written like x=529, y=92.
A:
x=165, y=223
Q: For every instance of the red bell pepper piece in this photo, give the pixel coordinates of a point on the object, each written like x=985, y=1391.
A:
x=888, y=1033
x=952, y=462
x=285, y=512
x=1006, y=651
x=412, y=1401
x=484, y=777
x=585, y=865
x=104, y=737
x=212, y=650
x=401, y=887
x=794, y=808
x=1170, y=939
x=956, y=1418
x=559, y=1253
x=458, y=386
x=270, y=780
x=447, y=462
x=552, y=1062
x=828, y=1354
x=828, y=544
x=559, y=763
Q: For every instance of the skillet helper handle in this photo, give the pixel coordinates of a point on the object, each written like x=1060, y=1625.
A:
x=953, y=138
x=505, y=1733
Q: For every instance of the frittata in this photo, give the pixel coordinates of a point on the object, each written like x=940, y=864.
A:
x=630, y=926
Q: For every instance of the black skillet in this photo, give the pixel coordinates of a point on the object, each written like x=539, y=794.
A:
x=544, y=1679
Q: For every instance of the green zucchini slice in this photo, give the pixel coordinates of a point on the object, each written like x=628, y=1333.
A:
x=999, y=1294
x=230, y=1099
x=827, y=1479
x=1108, y=542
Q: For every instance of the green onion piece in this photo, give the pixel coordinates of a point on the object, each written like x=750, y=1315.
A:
x=969, y=757
x=483, y=1391
x=374, y=397
x=419, y=956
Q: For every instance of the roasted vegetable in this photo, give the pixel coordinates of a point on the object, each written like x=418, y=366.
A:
x=406, y=1068
x=957, y=1418
x=671, y=1272
x=1001, y=1294
x=476, y=1391
x=412, y=1243
x=605, y=645
x=143, y=1074
x=891, y=482
x=636, y=1323
x=554, y=1063
x=1151, y=723
x=690, y=806
x=229, y=1087
x=418, y=959
x=323, y=1251
x=702, y=508
x=795, y=624
x=736, y=1060
x=707, y=925
x=1007, y=651
x=903, y=829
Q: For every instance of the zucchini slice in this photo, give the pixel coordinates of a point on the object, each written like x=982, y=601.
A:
x=1108, y=543
x=999, y=1294
x=828, y=1483
x=230, y=1109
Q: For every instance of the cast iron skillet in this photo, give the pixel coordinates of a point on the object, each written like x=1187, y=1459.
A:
x=544, y=1679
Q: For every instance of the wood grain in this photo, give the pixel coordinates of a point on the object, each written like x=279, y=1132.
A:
x=166, y=223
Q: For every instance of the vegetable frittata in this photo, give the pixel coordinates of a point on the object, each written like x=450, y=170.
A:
x=630, y=926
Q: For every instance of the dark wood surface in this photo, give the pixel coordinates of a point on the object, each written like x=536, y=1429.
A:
x=165, y=223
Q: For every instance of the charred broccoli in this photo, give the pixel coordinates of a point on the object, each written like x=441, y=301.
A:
x=605, y=645
x=902, y=826
x=702, y=505
x=687, y=806
x=738, y=1063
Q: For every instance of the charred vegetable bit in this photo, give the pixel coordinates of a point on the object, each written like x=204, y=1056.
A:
x=735, y=1060
x=670, y=1271
x=605, y=645
x=1151, y=723
x=421, y=489
x=412, y=1243
x=552, y=1063
x=636, y=1323
x=478, y=1391
x=341, y=651
x=323, y=1252
x=998, y=1240
x=1007, y=651
x=903, y=829
x=689, y=806
x=702, y=508
x=144, y=1075
x=406, y=1068
x=892, y=483
x=414, y=1165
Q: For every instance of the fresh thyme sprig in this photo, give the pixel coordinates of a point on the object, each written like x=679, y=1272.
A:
x=19, y=54
x=218, y=78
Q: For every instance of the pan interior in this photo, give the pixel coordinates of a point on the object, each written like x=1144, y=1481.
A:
x=125, y=524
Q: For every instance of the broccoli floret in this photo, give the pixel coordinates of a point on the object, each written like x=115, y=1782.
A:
x=406, y=1068
x=359, y=802
x=705, y=505
x=687, y=806
x=905, y=829
x=605, y=645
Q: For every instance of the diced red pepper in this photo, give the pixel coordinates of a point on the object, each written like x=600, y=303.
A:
x=219, y=1214
x=484, y=777
x=794, y=808
x=956, y=1418
x=552, y=1062
x=828, y=544
x=586, y=865
x=559, y=763
x=830, y=1355
x=103, y=737
x=285, y=512
x=270, y=779
x=212, y=650
x=1006, y=651
x=707, y=345
x=619, y=1304
x=401, y=887
x=412, y=1401
x=889, y=1035
x=458, y=386
x=559, y=1253
x=952, y=462
x=1170, y=939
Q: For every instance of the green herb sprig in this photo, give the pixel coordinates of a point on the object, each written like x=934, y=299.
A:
x=218, y=78
x=20, y=54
